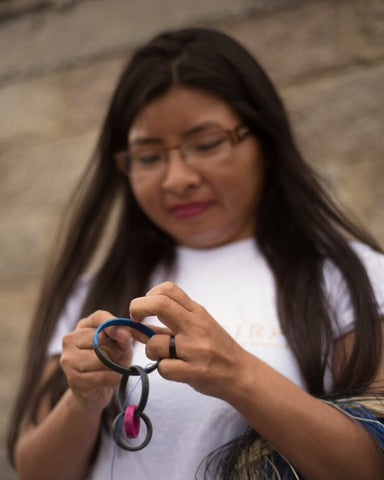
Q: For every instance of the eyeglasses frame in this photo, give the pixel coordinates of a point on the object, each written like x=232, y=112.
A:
x=235, y=136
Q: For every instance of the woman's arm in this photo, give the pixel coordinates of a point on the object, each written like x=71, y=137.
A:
x=318, y=440
x=321, y=442
x=60, y=445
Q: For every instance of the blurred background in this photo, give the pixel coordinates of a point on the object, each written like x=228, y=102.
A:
x=59, y=62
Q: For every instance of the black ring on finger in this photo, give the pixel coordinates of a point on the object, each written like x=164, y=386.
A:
x=172, y=347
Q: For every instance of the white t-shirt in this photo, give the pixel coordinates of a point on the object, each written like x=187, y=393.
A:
x=234, y=283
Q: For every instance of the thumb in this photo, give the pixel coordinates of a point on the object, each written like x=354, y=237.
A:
x=124, y=341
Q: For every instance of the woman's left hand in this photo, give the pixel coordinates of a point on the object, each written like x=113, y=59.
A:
x=208, y=358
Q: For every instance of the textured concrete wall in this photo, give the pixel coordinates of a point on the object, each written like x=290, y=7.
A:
x=59, y=62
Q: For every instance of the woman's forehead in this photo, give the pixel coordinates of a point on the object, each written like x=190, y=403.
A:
x=184, y=111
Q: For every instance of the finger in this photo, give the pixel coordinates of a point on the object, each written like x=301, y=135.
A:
x=174, y=292
x=169, y=312
x=83, y=339
x=194, y=375
x=176, y=370
x=80, y=361
x=95, y=320
x=142, y=338
x=83, y=361
x=90, y=380
x=157, y=347
x=121, y=335
x=78, y=339
x=77, y=345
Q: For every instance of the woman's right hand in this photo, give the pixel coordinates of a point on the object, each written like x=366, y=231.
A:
x=91, y=382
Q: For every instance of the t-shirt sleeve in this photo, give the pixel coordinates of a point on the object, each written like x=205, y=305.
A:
x=69, y=317
x=338, y=294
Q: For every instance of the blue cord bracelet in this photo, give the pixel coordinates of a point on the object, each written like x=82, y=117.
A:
x=122, y=322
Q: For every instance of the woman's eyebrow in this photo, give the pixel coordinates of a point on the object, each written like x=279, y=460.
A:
x=190, y=132
x=145, y=141
x=201, y=128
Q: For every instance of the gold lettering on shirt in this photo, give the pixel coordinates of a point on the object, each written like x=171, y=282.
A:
x=259, y=334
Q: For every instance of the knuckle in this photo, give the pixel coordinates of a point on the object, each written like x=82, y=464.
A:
x=203, y=317
x=133, y=303
x=99, y=315
x=149, y=353
x=163, y=303
x=202, y=331
x=151, y=348
x=163, y=371
x=64, y=362
x=82, y=322
x=201, y=311
x=168, y=287
x=67, y=340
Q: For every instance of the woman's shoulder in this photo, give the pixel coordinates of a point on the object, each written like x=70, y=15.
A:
x=337, y=292
x=367, y=254
x=372, y=260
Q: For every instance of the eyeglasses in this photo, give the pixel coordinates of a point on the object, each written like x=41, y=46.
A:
x=210, y=148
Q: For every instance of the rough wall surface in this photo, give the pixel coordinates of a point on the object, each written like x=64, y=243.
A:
x=59, y=62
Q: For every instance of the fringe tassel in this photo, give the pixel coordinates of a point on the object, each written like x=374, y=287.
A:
x=250, y=457
x=368, y=411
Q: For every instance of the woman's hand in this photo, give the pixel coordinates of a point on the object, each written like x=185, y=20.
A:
x=208, y=358
x=91, y=382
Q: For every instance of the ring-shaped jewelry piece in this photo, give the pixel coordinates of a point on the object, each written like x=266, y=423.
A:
x=125, y=322
x=131, y=422
x=172, y=347
x=131, y=415
x=144, y=389
x=116, y=432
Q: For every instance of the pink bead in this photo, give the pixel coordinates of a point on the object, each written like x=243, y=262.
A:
x=131, y=423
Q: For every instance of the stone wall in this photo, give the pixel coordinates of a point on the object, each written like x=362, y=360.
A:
x=59, y=63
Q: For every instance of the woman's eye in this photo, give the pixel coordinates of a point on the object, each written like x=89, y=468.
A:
x=208, y=145
x=146, y=158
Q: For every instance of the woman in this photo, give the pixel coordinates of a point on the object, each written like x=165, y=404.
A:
x=227, y=242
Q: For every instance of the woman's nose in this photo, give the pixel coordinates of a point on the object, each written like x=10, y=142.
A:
x=179, y=175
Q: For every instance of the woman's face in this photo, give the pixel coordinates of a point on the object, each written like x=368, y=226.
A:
x=200, y=205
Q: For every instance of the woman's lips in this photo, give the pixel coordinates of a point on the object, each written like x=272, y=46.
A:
x=191, y=209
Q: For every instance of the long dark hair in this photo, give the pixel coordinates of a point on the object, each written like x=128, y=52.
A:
x=298, y=226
